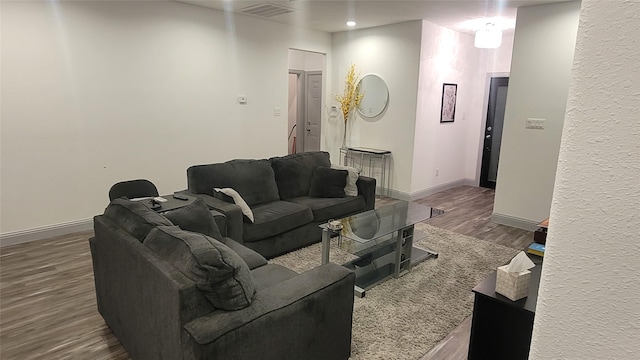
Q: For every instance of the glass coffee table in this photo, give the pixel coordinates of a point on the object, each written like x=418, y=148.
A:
x=381, y=241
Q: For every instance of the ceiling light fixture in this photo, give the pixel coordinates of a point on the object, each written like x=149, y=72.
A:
x=488, y=38
x=351, y=23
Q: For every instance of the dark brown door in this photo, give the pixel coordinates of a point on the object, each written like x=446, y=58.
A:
x=493, y=131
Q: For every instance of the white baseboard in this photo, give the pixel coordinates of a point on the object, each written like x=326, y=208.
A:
x=514, y=222
x=44, y=232
x=401, y=195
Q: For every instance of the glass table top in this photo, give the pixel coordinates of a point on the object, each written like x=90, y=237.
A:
x=374, y=224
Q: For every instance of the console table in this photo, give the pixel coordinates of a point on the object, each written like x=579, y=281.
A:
x=501, y=328
x=349, y=157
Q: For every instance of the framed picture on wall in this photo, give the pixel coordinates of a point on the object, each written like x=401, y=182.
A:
x=448, y=109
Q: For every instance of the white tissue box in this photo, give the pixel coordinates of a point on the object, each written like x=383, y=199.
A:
x=513, y=285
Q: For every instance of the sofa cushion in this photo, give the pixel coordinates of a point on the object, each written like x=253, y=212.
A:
x=331, y=208
x=237, y=199
x=134, y=217
x=254, y=180
x=293, y=172
x=275, y=218
x=195, y=217
x=327, y=182
x=218, y=272
x=351, y=189
x=271, y=274
x=252, y=258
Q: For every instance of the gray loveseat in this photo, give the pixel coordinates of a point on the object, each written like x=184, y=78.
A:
x=174, y=292
x=277, y=190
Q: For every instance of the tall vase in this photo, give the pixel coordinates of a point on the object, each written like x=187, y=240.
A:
x=344, y=136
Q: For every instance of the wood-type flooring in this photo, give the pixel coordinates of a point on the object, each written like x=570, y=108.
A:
x=47, y=297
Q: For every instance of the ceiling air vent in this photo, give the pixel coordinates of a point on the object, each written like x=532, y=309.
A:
x=265, y=10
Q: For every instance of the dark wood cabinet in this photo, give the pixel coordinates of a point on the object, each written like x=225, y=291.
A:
x=501, y=328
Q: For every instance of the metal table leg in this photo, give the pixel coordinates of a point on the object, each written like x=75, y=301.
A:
x=326, y=243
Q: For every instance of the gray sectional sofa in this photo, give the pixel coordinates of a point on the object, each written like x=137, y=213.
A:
x=278, y=192
x=174, y=286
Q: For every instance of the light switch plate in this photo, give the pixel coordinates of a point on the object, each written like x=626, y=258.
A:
x=535, y=123
x=333, y=111
x=277, y=111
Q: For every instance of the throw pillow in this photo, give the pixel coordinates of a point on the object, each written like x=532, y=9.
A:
x=351, y=189
x=238, y=200
x=222, y=196
x=134, y=217
x=222, y=276
x=327, y=182
x=195, y=217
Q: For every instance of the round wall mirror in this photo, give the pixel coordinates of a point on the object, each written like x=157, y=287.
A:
x=375, y=96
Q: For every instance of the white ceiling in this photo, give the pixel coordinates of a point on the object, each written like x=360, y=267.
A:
x=331, y=15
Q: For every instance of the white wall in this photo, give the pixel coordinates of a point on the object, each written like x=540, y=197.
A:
x=541, y=68
x=98, y=92
x=419, y=143
x=393, y=53
x=588, y=303
x=452, y=149
x=306, y=60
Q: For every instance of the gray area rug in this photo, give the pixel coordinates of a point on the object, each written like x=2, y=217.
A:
x=404, y=318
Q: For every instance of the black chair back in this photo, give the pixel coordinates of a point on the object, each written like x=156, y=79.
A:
x=133, y=189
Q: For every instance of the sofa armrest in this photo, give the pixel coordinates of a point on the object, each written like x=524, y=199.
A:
x=221, y=221
x=232, y=213
x=306, y=317
x=367, y=188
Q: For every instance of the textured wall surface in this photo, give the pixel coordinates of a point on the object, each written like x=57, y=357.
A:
x=589, y=299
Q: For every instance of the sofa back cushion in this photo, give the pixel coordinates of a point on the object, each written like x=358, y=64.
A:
x=195, y=217
x=218, y=272
x=293, y=173
x=328, y=182
x=134, y=217
x=254, y=180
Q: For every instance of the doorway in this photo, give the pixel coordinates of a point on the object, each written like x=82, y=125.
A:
x=313, y=110
x=296, y=81
x=493, y=131
x=305, y=111
x=305, y=101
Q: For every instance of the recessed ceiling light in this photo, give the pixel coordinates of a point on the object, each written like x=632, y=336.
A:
x=351, y=23
x=488, y=37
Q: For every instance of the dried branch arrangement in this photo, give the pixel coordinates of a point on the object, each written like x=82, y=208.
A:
x=351, y=97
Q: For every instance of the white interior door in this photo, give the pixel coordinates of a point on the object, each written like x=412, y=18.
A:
x=313, y=113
